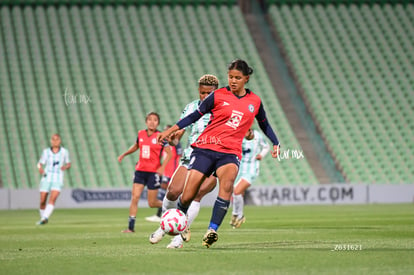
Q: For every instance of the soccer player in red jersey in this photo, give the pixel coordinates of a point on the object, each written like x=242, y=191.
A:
x=149, y=168
x=172, y=165
x=219, y=148
x=206, y=85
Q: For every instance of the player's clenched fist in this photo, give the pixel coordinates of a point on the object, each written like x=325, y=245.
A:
x=276, y=151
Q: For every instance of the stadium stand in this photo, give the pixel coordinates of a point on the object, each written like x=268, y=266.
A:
x=354, y=64
x=335, y=2
x=118, y=2
x=127, y=60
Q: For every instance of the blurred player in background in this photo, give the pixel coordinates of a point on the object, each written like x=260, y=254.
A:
x=218, y=149
x=55, y=160
x=148, y=169
x=206, y=84
x=177, y=152
x=254, y=148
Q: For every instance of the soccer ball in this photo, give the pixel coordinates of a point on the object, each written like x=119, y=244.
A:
x=173, y=222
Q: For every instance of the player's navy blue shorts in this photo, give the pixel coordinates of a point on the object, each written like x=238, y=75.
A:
x=150, y=179
x=208, y=161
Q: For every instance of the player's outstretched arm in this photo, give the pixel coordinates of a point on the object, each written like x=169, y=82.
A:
x=205, y=107
x=265, y=148
x=131, y=150
x=175, y=137
x=267, y=129
x=42, y=162
x=168, y=157
x=165, y=134
x=40, y=167
x=276, y=151
x=66, y=166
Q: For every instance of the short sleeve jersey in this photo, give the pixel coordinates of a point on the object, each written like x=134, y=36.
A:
x=54, y=161
x=195, y=129
x=150, y=152
x=253, y=147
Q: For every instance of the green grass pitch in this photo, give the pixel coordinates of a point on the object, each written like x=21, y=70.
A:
x=347, y=239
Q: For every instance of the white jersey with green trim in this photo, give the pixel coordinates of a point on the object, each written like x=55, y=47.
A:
x=53, y=163
x=195, y=129
x=251, y=148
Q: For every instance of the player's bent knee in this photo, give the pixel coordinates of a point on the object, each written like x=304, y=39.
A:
x=173, y=193
x=186, y=201
x=152, y=204
x=172, y=196
x=227, y=187
x=135, y=199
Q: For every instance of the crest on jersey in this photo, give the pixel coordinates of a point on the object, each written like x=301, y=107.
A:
x=251, y=108
x=235, y=119
x=154, y=141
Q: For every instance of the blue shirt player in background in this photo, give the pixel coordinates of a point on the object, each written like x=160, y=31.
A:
x=54, y=161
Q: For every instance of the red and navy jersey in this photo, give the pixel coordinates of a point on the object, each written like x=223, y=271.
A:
x=150, y=152
x=174, y=162
x=231, y=118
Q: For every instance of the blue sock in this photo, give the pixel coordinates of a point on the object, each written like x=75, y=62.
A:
x=131, y=223
x=181, y=206
x=219, y=211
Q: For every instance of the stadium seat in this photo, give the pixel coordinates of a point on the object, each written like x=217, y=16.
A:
x=355, y=54
x=130, y=60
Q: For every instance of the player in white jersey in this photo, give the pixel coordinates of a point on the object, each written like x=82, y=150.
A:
x=194, y=129
x=206, y=84
x=254, y=148
x=52, y=164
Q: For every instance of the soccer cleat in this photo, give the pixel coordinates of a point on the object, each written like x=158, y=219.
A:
x=157, y=236
x=128, y=231
x=42, y=221
x=153, y=218
x=210, y=237
x=239, y=222
x=186, y=235
x=176, y=242
x=233, y=220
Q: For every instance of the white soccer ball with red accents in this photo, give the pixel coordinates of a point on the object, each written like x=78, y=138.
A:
x=173, y=222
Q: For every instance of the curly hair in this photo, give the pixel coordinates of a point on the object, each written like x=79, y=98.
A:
x=208, y=80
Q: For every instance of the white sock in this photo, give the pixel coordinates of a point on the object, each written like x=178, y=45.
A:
x=167, y=204
x=192, y=212
x=177, y=239
x=42, y=212
x=238, y=204
x=48, y=211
